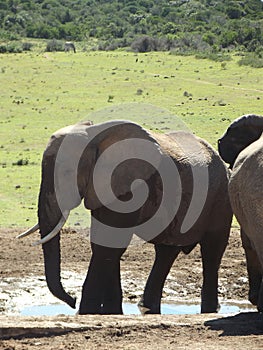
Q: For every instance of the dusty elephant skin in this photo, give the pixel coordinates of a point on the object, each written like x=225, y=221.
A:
x=198, y=186
x=242, y=147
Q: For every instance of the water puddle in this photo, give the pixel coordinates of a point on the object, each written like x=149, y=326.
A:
x=29, y=296
x=132, y=309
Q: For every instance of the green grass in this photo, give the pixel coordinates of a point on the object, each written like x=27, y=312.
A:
x=41, y=92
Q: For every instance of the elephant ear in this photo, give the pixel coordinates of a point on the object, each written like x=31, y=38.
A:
x=126, y=157
x=240, y=134
x=60, y=164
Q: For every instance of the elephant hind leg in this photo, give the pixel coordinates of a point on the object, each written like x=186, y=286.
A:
x=254, y=271
x=164, y=258
x=213, y=246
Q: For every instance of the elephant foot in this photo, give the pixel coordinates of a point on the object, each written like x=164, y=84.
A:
x=94, y=307
x=100, y=311
x=207, y=308
x=260, y=308
x=260, y=299
x=89, y=311
x=111, y=310
x=89, y=306
x=147, y=308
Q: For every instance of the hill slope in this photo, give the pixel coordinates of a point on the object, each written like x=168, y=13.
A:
x=190, y=23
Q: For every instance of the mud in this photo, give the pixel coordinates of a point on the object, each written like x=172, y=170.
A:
x=22, y=284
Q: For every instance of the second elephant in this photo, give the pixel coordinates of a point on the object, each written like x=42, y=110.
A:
x=242, y=147
x=186, y=204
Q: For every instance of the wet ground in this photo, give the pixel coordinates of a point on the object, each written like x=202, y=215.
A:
x=23, y=292
x=175, y=308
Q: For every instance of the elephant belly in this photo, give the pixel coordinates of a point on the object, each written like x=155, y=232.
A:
x=165, y=226
x=172, y=235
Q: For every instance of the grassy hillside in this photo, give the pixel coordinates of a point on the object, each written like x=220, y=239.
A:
x=41, y=92
x=183, y=24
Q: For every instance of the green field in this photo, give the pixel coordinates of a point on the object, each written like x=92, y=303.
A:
x=41, y=92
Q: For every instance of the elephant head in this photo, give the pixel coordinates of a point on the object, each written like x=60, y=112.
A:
x=68, y=167
x=240, y=134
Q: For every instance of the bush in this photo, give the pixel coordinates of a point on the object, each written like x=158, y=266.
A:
x=218, y=57
x=55, y=45
x=190, y=44
x=8, y=36
x=112, y=44
x=147, y=44
x=3, y=48
x=11, y=48
x=26, y=46
x=251, y=59
x=143, y=44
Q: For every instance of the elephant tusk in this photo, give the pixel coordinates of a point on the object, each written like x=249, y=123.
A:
x=55, y=231
x=29, y=231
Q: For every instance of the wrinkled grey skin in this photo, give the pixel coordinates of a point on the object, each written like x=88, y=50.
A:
x=102, y=293
x=242, y=147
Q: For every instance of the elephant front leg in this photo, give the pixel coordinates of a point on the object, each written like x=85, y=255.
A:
x=164, y=258
x=101, y=293
x=112, y=296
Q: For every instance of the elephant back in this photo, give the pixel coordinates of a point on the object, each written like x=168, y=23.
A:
x=204, y=183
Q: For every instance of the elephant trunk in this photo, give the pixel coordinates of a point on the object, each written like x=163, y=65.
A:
x=52, y=259
x=49, y=215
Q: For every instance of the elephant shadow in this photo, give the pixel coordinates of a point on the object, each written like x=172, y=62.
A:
x=244, y=323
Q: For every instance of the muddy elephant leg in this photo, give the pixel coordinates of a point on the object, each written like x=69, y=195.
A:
x=260, y=298
x=101, y=291
x=254, y=272
x=212, y=249
x=112, y=298
x=164, y=258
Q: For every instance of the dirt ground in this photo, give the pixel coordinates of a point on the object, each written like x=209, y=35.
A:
x=20, y=263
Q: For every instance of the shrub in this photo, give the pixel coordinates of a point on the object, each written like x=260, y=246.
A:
x=189, y=44
x=251, y=59
x=26, y=46
x=147, y=44
x=143, y=44
x=55, y=45
x=8, y=36
x=11, y=48
x=3, y=48
x=218, y=57
x=112, y=44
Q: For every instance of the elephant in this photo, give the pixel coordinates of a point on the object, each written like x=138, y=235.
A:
x=242, y=147
x=110, y=166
